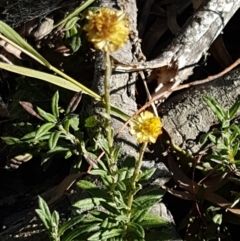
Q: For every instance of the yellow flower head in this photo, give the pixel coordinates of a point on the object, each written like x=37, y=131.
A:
x=106, y=29
x=146, y=127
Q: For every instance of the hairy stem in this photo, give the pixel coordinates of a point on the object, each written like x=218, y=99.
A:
x=135, y=177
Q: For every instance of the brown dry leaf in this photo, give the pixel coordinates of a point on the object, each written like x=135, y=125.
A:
x=167, y=74
x=57, y=192
x=220, y=53
x=221, y=202
x=180, y=178
x=180, y=194
x=29, y=108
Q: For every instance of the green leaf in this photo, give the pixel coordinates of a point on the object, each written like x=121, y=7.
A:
x=216, y=158
x=104, y=224
x=105, y=235
x=44, y=219
x=10, y=140
x=139, y=214
x=44, y=207
x=220, y=145
x=235, y=127
x=55, y=107
x=17, y=41
x=216, y=108
x=204, y=138
x=75, y=42
x=217, y=219
x=50, y=78
x=212, y=138
x=74, y=123
x=102, y=165
x=121, y=186
x=70, y=23
x=233, y=110
x=225, y=123
x=54, y=137
x=122, y=173
x=75, y=12
x=110, y=207
x=103, y=143
x=88, y=203
x=69, y=224
x=68, y=155
x=99, y=214
x=80, y=230
x=146, y=174
x=233, y=137
x=51, y=153
x=151, y=220
x=136, y=229
x=98, y=172
x=235, y=149
x=46, y=116
x=55, y=218
x=44, y=129
x=29, y=136
x=91, y=122
x=153, y=196
x=111, y=233
x=93, y=189
x=116, y=151
x=147, y=203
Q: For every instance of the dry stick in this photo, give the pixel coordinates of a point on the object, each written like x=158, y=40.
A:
x=209, y=78
x=180, y=87
x=194, y=190
x=197, y=82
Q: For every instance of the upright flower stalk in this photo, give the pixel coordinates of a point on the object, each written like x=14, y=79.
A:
x=147, y=128
x=107, y=30
x=108, y=72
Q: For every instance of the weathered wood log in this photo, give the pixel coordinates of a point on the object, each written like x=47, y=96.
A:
x=186, y=116
x=192, y=42
x=122, y=96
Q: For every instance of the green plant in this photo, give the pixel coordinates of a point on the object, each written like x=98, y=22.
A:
x=117, y=207
x=214, y=183
x=50, y=221
x=226, y=139
x=59, y=133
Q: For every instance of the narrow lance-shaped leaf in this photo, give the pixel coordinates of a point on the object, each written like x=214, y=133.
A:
x=44, y=129
x=215, y=107
x=47, y=116
x=44, y=207
x=29, y=108
x=55, y=108
x=71, y=22
x=44, y=218
x=17, y=41
x=75, y=12
x=74, y=102
x=69, y=224
x=53, y=79
x=52, y=143
x=233, y=110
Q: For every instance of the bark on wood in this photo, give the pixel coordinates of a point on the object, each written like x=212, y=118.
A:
x=122, y=96
x=186, y=116
x=194, y=39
